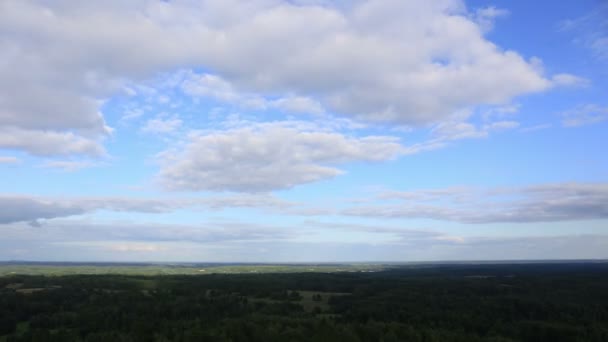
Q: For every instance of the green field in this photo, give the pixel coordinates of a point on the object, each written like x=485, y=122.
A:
x=178, y=269
x=427, y=303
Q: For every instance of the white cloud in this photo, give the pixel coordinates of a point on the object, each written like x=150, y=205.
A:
x=48, y=143
x=500, y=111
x=213, y=86
x=409, y=62
x=69, y=165
x=298, y=104
x=486, y=16
x=457, y=129
x=131, y=114
x=266, y=157
x=9, y=160
x=216, y=87
x=501, y=125
x=584, y=115
x=570, y=80
x=162, y=126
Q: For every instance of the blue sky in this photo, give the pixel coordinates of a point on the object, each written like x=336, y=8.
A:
x=310, y=130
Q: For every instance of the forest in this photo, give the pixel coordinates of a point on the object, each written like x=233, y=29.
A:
x=449, y=302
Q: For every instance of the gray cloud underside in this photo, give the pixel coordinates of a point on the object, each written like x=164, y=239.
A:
x=30, y=209
x=17, y=209
x=411, y=62
x=541, y=203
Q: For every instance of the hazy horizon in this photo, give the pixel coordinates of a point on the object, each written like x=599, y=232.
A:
x=304, y=263
x=306, y=131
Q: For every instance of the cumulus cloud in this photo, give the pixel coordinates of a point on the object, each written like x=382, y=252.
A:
x=267, y=157
x=584, y=115
x=247, y=156
x=409, y=62
x=540, y=203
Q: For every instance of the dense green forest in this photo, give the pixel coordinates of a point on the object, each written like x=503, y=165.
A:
x=502, y=302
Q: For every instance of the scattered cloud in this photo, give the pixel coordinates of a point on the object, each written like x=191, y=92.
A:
x=161, y=125
x=498, y=112
x=69, y=165
x=443, y=133
x=570, y=80
x=600, y=47
x=501, y=126
x=584, y=115
x=457, y=130
x=535, y=128
x=590, y=30
x=132, y=114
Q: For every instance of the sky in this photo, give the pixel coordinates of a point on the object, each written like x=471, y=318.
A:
x=303, y=130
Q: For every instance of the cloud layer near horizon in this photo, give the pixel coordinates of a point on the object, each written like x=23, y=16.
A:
x=539, y=203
